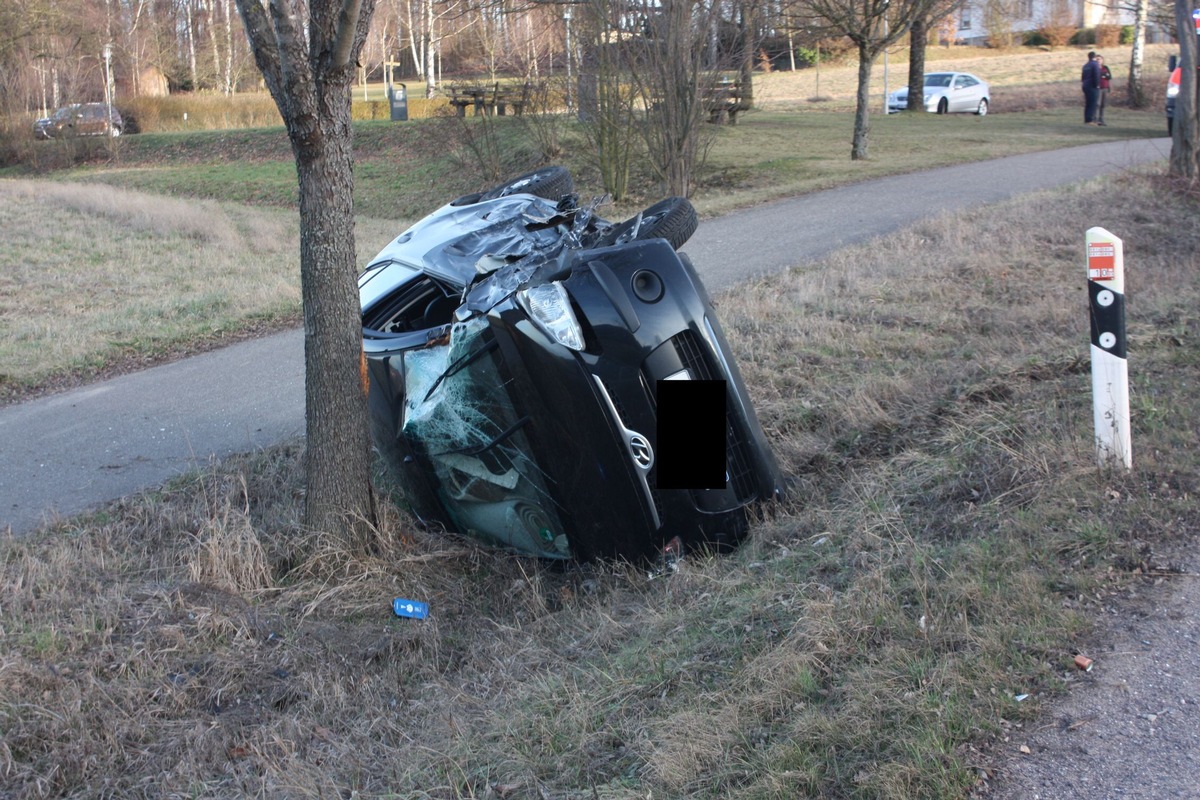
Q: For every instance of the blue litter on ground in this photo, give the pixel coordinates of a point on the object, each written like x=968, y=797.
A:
x=413, y=609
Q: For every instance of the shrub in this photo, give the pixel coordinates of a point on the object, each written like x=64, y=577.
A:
x=1108, y=35
x=1126, y=34
x=1083, y=36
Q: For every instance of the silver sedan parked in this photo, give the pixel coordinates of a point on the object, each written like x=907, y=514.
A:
x=947, y=92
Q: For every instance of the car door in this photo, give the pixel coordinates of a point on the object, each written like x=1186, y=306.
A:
x=965, y=96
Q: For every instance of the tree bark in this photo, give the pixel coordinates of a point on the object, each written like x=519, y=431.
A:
x=862, y=110
x=918, y=37
x=1134, y=87
x=311, y=77
x=1185, y=140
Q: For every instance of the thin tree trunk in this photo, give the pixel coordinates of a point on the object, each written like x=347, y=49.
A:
x=1134, y=87
x=862, y=111
x=190, y=27
x=918, y=37
x=1185, y=144
x=212, y=38
x=228, y=48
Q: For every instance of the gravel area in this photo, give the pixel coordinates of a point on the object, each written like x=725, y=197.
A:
x=1129, y=727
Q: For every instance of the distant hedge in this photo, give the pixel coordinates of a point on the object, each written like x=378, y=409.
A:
x=196, y=111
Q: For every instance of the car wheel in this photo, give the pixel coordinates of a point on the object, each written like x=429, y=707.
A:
x=673, y=219
x=983, y=108
x=943, y=106
x=550, y=183
x=114, y=131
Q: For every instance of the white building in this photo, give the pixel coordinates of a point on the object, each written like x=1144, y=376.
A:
x=1029, y=15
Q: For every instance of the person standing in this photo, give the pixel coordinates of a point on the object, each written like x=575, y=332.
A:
x=1102, y=95
x=1090, y=82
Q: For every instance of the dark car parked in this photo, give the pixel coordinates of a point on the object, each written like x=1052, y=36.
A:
x=80, y=119
x=517, y=347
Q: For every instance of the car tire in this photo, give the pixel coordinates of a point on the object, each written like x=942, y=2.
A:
x=114, y=131
x=673, y=219
x=943, y=106
x=550, y=183
x=983, y=108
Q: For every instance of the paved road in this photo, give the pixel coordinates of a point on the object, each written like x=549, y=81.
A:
x=73, y=451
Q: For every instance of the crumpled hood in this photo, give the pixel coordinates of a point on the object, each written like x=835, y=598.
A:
x=450, y=242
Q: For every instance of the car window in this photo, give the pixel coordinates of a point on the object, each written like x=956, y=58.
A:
x=460, y=413
x=967, y=80
x=938, y=79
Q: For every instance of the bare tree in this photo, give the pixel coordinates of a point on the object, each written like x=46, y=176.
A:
x=922, y=25
x=1135, y=87
x=871, y=25
x=310, y=74
x=668, y=68
x=1185, y=136
x=606, y=96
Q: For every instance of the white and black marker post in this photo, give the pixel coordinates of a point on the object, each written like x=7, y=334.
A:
x=1110, y=371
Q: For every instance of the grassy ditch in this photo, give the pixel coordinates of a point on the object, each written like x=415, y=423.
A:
x=947, y=537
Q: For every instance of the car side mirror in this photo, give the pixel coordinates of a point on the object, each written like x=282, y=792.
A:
x=1172, y=63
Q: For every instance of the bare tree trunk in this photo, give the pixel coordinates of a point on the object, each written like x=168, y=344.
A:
x=1136, y=90
x=749, y=20
x=918, y=38
x=862, y=111
x=1185, y=144
x=310, y=77
x=428, y=46
x=212, y=38
x=228, y=48
x=190, y=32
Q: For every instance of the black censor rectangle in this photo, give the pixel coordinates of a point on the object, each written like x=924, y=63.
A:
x=691, y=435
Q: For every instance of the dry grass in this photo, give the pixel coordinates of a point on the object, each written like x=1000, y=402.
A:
x=1022, y=79
x=98, y=276
x=947, y=535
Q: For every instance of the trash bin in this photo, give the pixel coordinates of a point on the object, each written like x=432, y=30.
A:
x=398, y=97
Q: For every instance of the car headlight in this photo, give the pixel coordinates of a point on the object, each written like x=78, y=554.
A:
x=550, y=309
x=1172, y=90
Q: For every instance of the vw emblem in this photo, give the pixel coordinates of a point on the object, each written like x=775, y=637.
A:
x=640, y=449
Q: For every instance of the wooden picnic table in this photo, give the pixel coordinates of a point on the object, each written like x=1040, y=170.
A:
x=722, y=101
x=489, y=100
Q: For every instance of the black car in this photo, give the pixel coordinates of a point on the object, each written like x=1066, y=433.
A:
x=535, y=369
x=80, y=119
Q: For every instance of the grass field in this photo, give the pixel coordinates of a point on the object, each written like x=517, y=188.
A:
x=242, y=278
x=947, y=539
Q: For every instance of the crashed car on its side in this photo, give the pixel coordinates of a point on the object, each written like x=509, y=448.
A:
x=515, y=345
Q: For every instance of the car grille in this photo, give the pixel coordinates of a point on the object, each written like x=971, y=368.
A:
x=692, y=353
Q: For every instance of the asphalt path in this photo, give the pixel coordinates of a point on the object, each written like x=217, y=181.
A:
x=74, y=451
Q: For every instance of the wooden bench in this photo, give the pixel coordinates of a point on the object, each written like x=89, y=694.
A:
x=722, y=102
x=481, y=98
x=489, y=100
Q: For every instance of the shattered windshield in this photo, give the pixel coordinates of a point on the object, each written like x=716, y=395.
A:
x=458, y=407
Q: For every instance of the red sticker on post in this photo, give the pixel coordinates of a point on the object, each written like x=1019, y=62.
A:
x=1102, y=261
